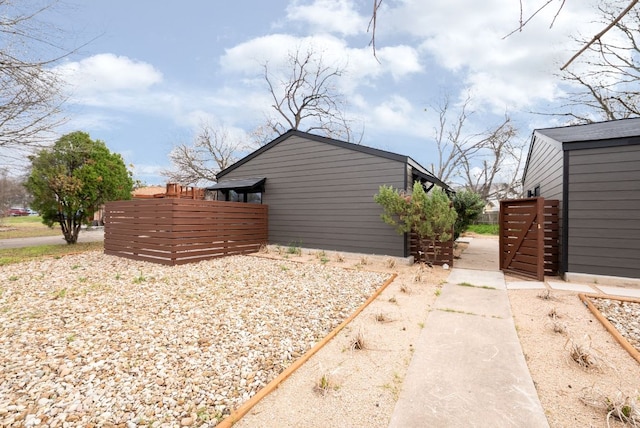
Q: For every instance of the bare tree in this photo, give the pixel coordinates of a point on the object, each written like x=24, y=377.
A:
x=30, y=92
x=307, y=99
x=12, y=192
x=610, y=87
x=495, y=172
x=213, y=150
x=475, y=161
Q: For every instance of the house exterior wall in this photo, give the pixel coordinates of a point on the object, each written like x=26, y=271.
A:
x=603, y=206
x=545, y=168
x=321, y=196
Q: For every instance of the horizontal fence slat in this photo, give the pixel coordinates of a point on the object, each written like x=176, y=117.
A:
x=177, y=231
x=520, y=249
x=444, y=250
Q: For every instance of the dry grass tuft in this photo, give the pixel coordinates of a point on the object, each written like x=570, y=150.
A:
x=545, y=295
x=420, y=273
x=381, y=317
x=339, y=257
x=583, y=354
x=364, y=261
x=325, y=384
x=264, y=249
x=404, y=288
x=556, y=325
x=620, y=406
x=358, y=342
x=390, y=262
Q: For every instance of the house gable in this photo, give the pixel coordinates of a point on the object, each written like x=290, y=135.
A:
x=593, y=170
x=320, y=192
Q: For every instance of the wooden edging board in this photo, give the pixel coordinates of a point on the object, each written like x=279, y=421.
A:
x=586, y=299
x=247, y=405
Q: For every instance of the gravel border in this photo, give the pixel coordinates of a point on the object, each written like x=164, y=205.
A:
x=97, y=340
x=623, y=314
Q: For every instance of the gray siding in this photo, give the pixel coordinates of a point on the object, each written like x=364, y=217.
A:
x=604, y=207
x=545, y=168
x=321, y=196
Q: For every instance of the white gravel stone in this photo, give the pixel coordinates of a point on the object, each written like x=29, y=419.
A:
x=624, y=316
x=92, y=339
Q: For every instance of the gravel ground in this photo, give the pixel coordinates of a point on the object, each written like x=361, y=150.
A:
x=96, y=340
x=625, y=317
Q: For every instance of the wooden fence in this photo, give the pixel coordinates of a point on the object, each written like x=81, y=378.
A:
x=529, y=237
x=444, y=251
x=176, y=231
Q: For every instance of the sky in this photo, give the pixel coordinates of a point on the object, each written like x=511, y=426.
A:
x=147, y=74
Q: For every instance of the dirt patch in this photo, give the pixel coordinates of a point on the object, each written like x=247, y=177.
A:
x=576, y=364
x=357, y=386
x=341, y=386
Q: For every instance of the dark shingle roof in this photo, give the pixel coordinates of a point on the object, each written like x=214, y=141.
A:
x=424, y=173
x=622, y=128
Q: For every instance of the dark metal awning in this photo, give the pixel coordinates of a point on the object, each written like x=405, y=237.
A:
x=240, y=184
x=431, y=179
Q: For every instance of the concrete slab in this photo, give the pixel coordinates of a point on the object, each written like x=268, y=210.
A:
x=482, y=253
x=525, y=285
x=619, y=291
x=488, y=302
x=571, y=286
x=476, y=277
x=614, y=281
x=469, y=371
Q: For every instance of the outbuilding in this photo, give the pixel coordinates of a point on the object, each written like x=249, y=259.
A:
x=320, y=192
x=594, y=171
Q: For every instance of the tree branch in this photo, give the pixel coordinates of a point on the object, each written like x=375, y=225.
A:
x=601, y=33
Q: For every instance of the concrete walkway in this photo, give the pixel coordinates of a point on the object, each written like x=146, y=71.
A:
x=92, y=235
x=468, y=369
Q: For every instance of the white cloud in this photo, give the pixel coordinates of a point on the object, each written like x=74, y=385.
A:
x=328, y=16
x=150, y=174
x=393, y=113
x=468, y=38
x=400, y=61
x=108, y=73
x=359, y=64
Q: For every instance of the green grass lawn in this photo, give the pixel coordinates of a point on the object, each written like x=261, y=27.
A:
x=484, y=229
x=25, y=227
x=17, y=255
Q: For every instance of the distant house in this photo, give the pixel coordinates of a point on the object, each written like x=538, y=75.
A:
x=594, y=170
x=148, y=192
x=320, y=192
x=171, y=190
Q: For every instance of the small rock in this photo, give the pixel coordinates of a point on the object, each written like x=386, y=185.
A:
x=186, y=422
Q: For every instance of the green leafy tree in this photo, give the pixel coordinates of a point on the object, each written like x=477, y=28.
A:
x=430, y=215
x=469, y=205
x=72, y=179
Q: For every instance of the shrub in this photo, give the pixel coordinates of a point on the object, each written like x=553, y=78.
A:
x=469, y=205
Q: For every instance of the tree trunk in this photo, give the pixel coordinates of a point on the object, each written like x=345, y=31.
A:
x=424, y=248
x=70, y=228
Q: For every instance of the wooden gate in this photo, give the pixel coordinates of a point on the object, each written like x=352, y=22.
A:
x=529, y=237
